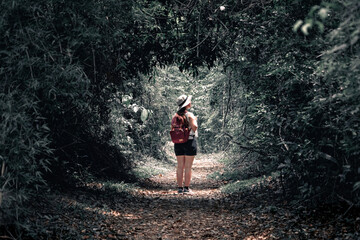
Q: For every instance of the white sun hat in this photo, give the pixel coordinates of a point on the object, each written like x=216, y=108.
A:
x=183, y=101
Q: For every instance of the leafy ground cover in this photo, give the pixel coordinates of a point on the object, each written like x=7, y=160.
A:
x=153, y=210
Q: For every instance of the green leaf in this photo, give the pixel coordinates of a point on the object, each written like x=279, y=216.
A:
x=297, y=25
x=305, y=28
x=356, y=186
x=327, y=157
x=320, y=26
x=144, y=115
x=126, y=100
x=323, y=13
x=313, y=9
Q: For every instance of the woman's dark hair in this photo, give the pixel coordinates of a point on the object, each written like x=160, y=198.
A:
x=182, y=111
x=180, y=115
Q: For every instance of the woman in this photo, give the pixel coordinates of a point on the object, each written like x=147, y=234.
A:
x=185, y=152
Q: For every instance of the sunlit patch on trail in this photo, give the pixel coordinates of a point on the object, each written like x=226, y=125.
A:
x=128, y=216
x=172, y=193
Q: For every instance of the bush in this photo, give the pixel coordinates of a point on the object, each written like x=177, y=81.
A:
x=295, y=110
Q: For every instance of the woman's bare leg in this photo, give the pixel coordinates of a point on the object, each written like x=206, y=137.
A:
x=188, y=164
x=180, y=170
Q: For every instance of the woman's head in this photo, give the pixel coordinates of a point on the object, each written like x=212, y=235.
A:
x=184, y=102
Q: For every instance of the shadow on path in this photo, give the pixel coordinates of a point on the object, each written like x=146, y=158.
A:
x=156, y=211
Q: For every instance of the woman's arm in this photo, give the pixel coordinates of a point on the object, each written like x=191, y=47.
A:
x=193, y=122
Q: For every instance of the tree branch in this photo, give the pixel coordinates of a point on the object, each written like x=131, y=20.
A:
x=245, y=147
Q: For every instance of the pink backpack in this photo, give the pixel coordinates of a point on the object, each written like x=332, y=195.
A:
x=179, y=132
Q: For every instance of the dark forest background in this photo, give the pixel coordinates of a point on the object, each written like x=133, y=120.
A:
x=87, y=87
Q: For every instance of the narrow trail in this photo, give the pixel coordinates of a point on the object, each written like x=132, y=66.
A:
x=183, y=216
x=164, y=185
x=156, y=211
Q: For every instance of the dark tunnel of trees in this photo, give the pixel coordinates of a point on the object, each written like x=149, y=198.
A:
x=91, y=85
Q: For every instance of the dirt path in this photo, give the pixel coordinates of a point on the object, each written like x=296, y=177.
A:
x=156, y=211
x=164, y=186
x=184, y=216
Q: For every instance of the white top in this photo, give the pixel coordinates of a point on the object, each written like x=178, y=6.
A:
x=192, y=133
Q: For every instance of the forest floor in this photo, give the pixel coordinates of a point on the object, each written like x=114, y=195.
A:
x=154, y=210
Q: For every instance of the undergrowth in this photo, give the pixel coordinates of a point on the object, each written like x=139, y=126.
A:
x=248, y=184
x=242, y=177
x=148, y=167
x=119, y=187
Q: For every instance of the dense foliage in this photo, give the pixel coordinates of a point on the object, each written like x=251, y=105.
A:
x=65, y=66
x=61, y=64
x=291, y=96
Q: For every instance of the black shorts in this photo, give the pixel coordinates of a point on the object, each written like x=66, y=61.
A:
x=188, y=148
